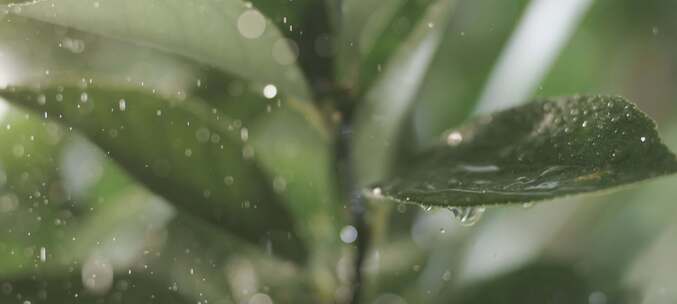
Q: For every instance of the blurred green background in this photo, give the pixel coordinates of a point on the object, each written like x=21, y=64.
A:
x=75, y=228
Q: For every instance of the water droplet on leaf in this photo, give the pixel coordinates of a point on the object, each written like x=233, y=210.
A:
x=467, y=216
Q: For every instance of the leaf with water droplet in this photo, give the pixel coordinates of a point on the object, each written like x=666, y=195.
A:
x=526, y=154
x=164, y=153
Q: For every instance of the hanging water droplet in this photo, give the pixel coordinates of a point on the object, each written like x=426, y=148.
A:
x=642, y=139
x=443, y=231
x=122, y=104
x=527, y=205
x=467, y=216
x=84, y=97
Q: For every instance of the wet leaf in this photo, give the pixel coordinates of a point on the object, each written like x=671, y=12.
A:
x=230, y=35
x=536, y=152
x=179, y=149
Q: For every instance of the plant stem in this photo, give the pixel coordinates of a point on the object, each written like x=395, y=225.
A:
x=355, y=197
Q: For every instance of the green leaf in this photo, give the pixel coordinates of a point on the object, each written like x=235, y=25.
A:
x=371, y=32
x=179, y=149
x=229, y=35
x=296, y=155
x=307, y=24
x=540, y=282
x=536, y=152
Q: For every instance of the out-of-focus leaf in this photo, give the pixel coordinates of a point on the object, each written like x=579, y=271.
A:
x=296, y=155
x=178, y=149
x=307, y=24
x=69, y=288
x=379, y=120
x=46, y=228
x=461, y=66
x=34, y=208
x=537, y=283
x=229, y=35
x=536, y=152
x=372, y=31
x=33, y=49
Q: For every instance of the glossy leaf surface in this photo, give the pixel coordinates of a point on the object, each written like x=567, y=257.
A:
x=535, y=152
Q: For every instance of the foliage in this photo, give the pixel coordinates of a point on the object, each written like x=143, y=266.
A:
x=217, y=151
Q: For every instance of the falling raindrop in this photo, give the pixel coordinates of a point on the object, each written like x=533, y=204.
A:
x=467, y=216
x=377, y=192
x=251, y=24
x=84, y=97
x=260, y=298
x=279, y=184
x=270, y=91
x=43, y=254
x=202, y=135
x=97, y=275
x=454, y=138
x=122, y=104
x=244, y=134
x=348, y=234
